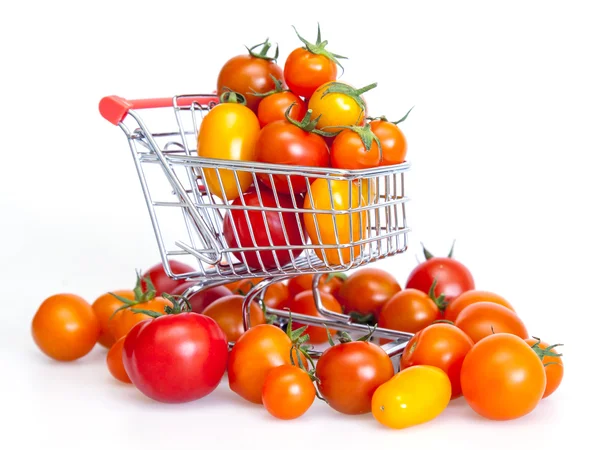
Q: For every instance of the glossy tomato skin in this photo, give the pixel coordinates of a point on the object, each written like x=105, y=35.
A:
x=304, y=303
x=123, y=321
x=367, y=290
x=413, y=396
x=304, y=71
x=256, y=352
x=393, y=142
x=453, y=277
x=301, y=283
x=201, y=299
x=65, y=327
x=281, y=142
x=288, y=392
x=246, y=73
x=277, y=296
x=114, y=361
x=176, y=358
x=242, y=287
x=229, y=131
x=440, y=345
x=350, y=373
x=349, y=152
x=502, y=378
x=229, y=315
x=455, y=307
x=554, y=370
x=485, y=318
x=273, y=108
x=336, y=110
x=344, y=197
x=410, y=311
x=161, y=281
x=238, y=219
x=104, y=308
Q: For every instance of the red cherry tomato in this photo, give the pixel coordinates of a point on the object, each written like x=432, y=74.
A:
x=393, y=142
x=176, y=358
x=328, y=283
x=161, y=281
x=441, y=345
x=367, y=290
x=228, y=313
x=249, y=223
x=277, y=296
x=308, y=67
x=250, y=73
x=201, y=299
x=410, y=311
x=348, y=151
x=273, y=108
x=282, y=142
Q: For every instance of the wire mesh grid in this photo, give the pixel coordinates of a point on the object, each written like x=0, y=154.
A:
x=241, y=219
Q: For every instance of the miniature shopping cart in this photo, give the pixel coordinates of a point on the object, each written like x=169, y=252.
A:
x=189, y=215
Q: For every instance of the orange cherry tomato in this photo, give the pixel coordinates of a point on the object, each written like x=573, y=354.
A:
x=277, y=296
x=65, y=327
x=349, y=151
x=456, y=305
x=228, y=313
x=273, y=107
x=350, y=227
x=485, y=318
x=114, y=361
x=328, y=283
x=553, y=365
x=304, y=303
x=440, y=345
x=502, y=378
x=104, y=307
x=393, y=142
x=256, y=352
x=125, y=320
x=367, y=290
x=288, y=392
x=242, y=287
x=410, y=311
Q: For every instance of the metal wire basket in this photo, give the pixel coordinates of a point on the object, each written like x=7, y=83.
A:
x=242, y=219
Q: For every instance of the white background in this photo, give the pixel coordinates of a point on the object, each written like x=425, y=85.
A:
x=504, y=144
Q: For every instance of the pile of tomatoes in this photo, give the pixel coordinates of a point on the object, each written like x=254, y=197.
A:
x=298, y=115
x=466, y=342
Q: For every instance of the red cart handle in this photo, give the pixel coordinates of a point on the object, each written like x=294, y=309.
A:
x=114, y=108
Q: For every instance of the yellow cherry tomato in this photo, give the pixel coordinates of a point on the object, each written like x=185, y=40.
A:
x=345, y=195
x=369, y=195
x=338, y=104
x=413, y=396
x=229, y=131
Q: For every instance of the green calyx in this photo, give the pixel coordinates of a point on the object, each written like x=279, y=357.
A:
x=336, y=87
x=318, y=48
x=440, y=301
x=229, y=96
x=365, y=319
x=307, y=123
x=366, y=136
x=266, y=46
x=543, y=352
x=384, y=119
x=429, y=255
x=278, y=88
x=140, y=295
x=342, y=276
x=344, y=338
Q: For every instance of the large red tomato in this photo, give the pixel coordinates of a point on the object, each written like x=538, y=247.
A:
x=367, y=290
x=237, y=219
x=282, y=142
x=349, y=374
x=453, y=278
x=161, y=281
x=441, y=345
x=203, y=298
x=250, y=73
x=176, y=358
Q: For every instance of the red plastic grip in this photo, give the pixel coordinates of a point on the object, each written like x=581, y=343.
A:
x=114, y=108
